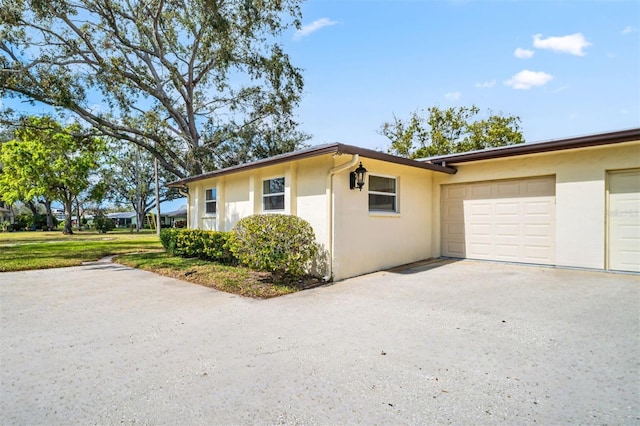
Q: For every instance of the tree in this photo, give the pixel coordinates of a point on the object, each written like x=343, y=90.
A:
x=128, y=177
x=178, y=77
x=50, y=161
x=450, y=131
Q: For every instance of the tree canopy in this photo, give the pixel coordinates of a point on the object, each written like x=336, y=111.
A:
x=128, y=178
x=50, y=161
x=180, y=78
x=449, y=131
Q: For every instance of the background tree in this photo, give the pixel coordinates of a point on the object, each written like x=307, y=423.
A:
x=49, y=161
x=177, y=77
x=450, y=131
x=128, y=176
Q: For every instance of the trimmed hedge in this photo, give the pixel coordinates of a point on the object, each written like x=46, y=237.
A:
x=207, y=245
x=274, y=242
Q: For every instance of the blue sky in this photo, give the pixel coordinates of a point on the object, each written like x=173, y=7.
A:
x=566, y=68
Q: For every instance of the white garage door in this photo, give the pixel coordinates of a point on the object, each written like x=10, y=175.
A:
x=508, y=220
x=624, y=221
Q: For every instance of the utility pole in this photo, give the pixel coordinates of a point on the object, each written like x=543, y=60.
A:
x=158, y=221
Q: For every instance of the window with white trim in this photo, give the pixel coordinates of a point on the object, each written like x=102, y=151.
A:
x=211, y=201
x=273, y=194
x=383, y=194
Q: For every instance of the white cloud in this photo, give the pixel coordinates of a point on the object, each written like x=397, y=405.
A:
x=572, y=44
x=453, y=96
x=486, y=84
x=628, y=30
x=525, y=79
x=523, y=53
x=313, y=27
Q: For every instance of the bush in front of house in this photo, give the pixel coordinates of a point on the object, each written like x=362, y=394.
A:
x=168, y=239
x=274, y=242
x=207, y=245
x=103, y=224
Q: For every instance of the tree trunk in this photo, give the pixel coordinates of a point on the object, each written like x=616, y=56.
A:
x=47, y=206
x=141, y=217
x=68, y=210
x=78, y=214
x=32, y=206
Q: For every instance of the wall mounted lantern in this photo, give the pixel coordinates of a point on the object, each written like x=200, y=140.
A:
x=356, y=177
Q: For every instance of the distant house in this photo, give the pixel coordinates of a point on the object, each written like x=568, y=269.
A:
x=6, y=215
x=572, y=202
x=176, y=218
x=123, y=219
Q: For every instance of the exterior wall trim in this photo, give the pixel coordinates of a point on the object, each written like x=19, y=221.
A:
x=539, y=147
x=335, y=148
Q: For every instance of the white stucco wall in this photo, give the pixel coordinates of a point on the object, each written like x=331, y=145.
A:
x=580, y=194
x=370, y=241
x=240, y=195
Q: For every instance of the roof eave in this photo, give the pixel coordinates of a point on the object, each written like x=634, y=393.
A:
x=599, y=139
x=335, y=148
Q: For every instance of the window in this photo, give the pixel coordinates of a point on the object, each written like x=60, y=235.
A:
x=273, y=194
x=383, y=195
x=211, y=201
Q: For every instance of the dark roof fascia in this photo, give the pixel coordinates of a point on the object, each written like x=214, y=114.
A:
x=334, y=148
x=540, y=147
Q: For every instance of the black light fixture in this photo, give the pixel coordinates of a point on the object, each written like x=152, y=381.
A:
x=356, y=177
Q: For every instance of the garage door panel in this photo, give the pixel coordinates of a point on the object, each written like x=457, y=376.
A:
x=623, y=218
x=537, y=254
x=507, y=230
x=507, y=189
x=508, y=209
x=502, y=220
x=511, y=251
x=544, y=207
x=478, y=192
x=542, y=230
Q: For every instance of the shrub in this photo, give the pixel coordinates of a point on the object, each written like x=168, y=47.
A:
x=207, y=245
x=274, y=242
x=103, y=224
x=168, y=239
x=23, y=220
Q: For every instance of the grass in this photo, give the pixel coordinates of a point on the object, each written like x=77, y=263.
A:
x=231, y=279
x=21, y=251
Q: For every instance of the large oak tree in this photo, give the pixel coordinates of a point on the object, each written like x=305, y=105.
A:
x=180, y=78
x=450, y=131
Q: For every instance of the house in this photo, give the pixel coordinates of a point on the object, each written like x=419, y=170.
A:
x=6, y=215
x=176, y=218
x=573, y=202
x=123, y=219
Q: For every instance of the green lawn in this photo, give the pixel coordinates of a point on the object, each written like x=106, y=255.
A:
x=21, y=251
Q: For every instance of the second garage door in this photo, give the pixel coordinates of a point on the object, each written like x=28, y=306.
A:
x=507, y=220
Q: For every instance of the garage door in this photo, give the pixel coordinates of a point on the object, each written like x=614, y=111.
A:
x=506, y=220
x=624, y=221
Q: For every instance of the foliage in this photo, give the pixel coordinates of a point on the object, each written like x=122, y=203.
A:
x=50, y=161
x=129, y=178
x=450, y=131
x=273, y=242
x=168, y=239
x=206, y=245
x=37, y=221
x=178, y=78
x=103, y=224
x=232, y=279
x=40, y=250
x=23, y=220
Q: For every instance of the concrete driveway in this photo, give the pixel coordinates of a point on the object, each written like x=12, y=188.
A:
x=450, y=343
